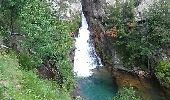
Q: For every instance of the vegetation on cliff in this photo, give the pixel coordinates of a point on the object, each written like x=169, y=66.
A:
x=41, y=40
x=141, y=43
x=18, y=84
x=127, y=93
x=163, y=72
x=47, y=38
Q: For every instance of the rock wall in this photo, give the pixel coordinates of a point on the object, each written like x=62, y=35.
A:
x=93, y=8
x=67, y=8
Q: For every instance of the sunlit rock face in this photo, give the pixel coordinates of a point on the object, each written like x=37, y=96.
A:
x=66, y=8
x=143, y=6
x=140, y=7
x=110, y=2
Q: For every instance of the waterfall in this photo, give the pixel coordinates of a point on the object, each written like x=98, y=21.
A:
x=85, y=58
x=93, y=81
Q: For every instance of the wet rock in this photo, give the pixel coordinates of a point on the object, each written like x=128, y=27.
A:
x=50, y=71
x=147, y=88
x=72, y=54
x=167, y=92
x=76, y=93
x=46, y=72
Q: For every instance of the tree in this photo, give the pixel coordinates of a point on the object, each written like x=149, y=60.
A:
x=140, y=43
x=46, y=37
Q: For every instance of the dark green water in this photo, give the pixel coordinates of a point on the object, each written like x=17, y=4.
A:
x=99, y=86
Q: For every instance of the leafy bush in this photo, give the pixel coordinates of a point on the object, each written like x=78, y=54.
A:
x=163, y=71
x=127, y=94
x=139, y=42
x=46, y=37
x=9, y=11
x=19, y=84
x=159, y=23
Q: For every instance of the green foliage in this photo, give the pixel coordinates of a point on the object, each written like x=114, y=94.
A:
x=1, y=92
x=119, y=14
x=46, y=37
x=10, y=8
x=127, y=94
x=9, y=12
x=158, y=21
x=128, y=10
x=25, y=61
x=114, y=16
x=18, y=84
x=74, y=23
x=163, y=71
x=138, y=43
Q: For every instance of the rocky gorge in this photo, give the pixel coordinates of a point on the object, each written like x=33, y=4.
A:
x=85, y=49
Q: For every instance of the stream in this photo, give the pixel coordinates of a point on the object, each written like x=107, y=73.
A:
x=93, y=80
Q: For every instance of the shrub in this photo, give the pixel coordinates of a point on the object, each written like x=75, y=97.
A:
x=159, y=23
x=163, y=71
x=17, y=84
x=127, y=94
x=46, y=37
x=139, y=43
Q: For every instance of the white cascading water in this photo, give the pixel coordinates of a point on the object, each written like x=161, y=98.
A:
x=85, y=58
x=90, y=75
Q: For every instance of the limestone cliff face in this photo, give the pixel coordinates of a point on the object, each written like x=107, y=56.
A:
x=66, y=8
